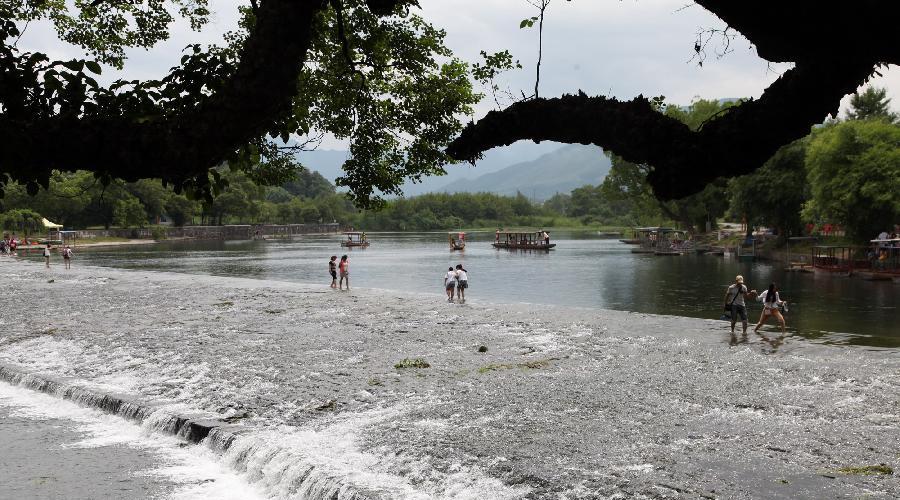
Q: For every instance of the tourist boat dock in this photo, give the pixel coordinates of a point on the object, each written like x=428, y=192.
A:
x=635, y=237
x=663, y=241
x=523, y=241
x=878, y=262
x=355, y=239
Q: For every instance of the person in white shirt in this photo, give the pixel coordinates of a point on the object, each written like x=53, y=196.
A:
x=450, y=283
x=47, y=256
x=734, y=302
x=771, y=302
x=462, y=282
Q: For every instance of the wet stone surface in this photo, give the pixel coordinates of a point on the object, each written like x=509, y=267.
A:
x=564, y=403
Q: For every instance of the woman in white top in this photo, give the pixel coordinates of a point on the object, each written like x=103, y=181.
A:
x=450, y=283
x=771, y=302
x=462, y=282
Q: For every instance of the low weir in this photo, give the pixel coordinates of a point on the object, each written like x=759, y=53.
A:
x=278, y=471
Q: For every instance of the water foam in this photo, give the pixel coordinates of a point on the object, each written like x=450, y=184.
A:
x=197, y=473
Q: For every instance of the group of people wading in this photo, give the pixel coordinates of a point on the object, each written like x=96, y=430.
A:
x=736, y=306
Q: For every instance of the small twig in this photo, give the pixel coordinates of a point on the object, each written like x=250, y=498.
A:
x=704, y=37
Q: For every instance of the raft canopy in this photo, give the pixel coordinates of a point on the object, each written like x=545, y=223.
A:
x=50, y=225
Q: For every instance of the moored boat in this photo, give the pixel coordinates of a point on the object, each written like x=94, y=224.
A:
x=355, y=239
x=538, y=240
x=664, y=241
x=457, y=240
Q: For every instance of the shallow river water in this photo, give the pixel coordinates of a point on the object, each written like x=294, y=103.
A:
x=583, y=270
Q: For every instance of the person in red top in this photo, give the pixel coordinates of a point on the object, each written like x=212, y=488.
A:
x=344, y=267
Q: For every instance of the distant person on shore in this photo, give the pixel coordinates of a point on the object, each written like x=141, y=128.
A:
x=47, y=255
x=450, y=283
x=462, y=282
x=344, y=267
x=734, y=302
x=67, y=256
x=771, y=302
x=332, y=270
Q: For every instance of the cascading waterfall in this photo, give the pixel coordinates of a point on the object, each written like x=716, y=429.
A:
x=279, y=471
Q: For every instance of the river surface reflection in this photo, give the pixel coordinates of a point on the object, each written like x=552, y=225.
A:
x=583, y=270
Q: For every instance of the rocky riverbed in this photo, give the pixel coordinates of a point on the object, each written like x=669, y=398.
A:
x=396, y=395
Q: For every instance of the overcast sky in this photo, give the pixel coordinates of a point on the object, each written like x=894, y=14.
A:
x=619, y=48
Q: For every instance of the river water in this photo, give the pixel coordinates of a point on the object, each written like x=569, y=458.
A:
x=584, y=270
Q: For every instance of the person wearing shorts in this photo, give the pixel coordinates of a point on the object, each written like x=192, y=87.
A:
x=734, y=302
x=450, y=283
x=332, y=270
x=771, y=303
x=462, y=282
x=344, y=268
x=67, y=257
x=47, y=256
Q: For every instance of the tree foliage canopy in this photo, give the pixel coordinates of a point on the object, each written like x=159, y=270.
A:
x=873, y=103
x=854, y=176
x=370, y=71
x=774, y=195
x=374, y=72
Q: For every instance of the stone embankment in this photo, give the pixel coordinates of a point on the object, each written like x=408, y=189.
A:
x=226, y=232
x=386, y=394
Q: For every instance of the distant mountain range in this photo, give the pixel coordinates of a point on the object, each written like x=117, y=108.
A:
x=559, y=171
x=328, y=163
x=536, y=170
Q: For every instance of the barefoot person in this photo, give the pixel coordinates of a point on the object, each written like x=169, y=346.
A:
x=462, y=282
x=344, y=267
x=771, y=302
x=332, y=270
x=47, y=256
x=67, y=256
x=450, y=283
x=734, y=301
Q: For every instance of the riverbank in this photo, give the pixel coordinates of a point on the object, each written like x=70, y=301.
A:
x=94, y=244
x=565, y=402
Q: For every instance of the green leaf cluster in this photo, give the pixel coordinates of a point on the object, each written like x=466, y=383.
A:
x=854, y=176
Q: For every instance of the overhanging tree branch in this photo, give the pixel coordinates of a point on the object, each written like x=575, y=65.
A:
x=177, y=145
x=683, y=161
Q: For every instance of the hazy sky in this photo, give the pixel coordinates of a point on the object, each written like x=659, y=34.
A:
x=620, y=48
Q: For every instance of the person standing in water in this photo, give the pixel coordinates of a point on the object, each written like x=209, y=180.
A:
x=67, y=256
x=771, y=302
x=332, y=270
x=47, y=256
x=450, y=283
x=344, y=267
x=734, y=301
x=462, y=282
